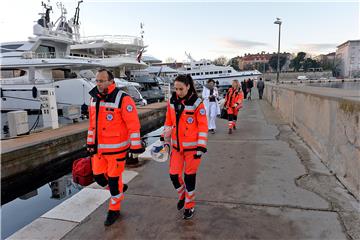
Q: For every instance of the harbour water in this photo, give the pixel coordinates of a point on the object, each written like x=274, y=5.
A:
x=26, y=208
x=340, y=85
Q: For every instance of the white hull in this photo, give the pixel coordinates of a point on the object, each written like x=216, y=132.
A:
x=68, y=92
x=224, y=81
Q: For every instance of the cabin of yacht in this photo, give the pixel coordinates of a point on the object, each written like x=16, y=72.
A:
x=43, y=62
x=149, y=88
x=115, y=52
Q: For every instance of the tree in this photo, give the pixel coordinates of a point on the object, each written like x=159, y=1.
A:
x=234, y=62
x=326, y=64
x=220, y=61
x=248, y=66
x=261, y=67
x=273, y=62
x=297, y=62
x=310, y=63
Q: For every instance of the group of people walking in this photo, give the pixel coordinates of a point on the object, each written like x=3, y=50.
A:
x=114, y=132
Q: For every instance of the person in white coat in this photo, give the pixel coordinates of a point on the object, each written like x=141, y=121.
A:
x=210, y=96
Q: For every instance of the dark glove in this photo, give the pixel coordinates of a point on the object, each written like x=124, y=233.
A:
x=199, y=152
x=138, y=150
x=91, y=149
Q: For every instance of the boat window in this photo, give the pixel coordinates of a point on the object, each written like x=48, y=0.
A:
x=216, y=72
x=46, y=51
x=197, y=74
x=10, y=47
x=208, y=63
x=229, y=71
x=220, y=71
x=61, y=74
x=192, y=74
x=196, y=64
x=12, y=73
x=188, y=69
x=211, y=72
x=202, y=73
x=206, y=73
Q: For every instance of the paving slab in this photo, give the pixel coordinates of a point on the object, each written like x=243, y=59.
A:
x=79, y=206
x=146, y=217
x=43, y=228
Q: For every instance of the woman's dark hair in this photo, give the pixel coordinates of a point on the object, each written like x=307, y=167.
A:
x=211, y=80
x=187, y=80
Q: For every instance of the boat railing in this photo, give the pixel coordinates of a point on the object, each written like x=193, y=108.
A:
x=34, y=55
x=121, y=39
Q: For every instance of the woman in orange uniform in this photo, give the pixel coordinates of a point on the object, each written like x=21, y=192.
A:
x=186, y=131
x=233, y=103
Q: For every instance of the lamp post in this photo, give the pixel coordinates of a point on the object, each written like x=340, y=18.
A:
x=278, y=21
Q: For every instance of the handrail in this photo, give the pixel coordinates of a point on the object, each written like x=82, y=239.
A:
x=121, y=39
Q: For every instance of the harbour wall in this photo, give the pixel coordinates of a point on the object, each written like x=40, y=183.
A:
x=328, y=121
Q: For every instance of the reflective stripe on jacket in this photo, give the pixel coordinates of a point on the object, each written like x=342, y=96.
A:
x=188, y=121
x=114, y=123
x=232, y=97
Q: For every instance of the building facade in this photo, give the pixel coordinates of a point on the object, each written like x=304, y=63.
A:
x=250, y=61
x=347, y=59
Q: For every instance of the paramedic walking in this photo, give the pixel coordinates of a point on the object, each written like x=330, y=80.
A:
x=114, y=130
x=185, y=131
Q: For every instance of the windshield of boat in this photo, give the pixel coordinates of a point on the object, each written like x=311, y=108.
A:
x=131, y=90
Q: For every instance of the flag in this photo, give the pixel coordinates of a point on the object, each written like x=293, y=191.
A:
x=138, y=57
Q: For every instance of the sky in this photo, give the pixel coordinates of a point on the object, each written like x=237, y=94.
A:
x=205, y=29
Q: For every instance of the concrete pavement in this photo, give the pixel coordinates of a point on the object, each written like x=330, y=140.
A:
x=262, y=182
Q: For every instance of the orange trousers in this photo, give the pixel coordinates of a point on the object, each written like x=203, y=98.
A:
x=184, y=163
x=108, y=170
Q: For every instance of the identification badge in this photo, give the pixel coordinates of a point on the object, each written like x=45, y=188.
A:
x=109, y=117
x=129, y=108
x=190, y=120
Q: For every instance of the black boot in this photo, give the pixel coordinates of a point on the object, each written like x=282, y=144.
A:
x=180, y=204
x=125, y=187
x=188, y=213
x=112, y=216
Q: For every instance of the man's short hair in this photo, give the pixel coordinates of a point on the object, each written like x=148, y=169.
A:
x=109, y=73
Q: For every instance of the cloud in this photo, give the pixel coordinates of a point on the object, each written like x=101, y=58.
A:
x=317, y=47
x=238, y=43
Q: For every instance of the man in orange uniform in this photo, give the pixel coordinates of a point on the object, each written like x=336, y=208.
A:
x=233, y=103
x=114, y=130
x=186, y=129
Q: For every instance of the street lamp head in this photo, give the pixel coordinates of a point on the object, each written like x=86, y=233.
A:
x=278, y=21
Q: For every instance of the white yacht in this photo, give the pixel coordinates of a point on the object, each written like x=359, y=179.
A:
x=203, y=70
x=44, y=62
x=116, y=52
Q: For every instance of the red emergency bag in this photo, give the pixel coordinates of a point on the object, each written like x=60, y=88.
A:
x=82, y=172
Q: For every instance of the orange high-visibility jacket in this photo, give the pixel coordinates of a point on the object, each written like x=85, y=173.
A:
x=114, y=123
x=188, y=121
x=232, y=97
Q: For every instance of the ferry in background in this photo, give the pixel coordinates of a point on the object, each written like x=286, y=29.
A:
x=203, y=70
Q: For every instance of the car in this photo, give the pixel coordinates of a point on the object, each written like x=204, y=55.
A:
x=302, y=77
